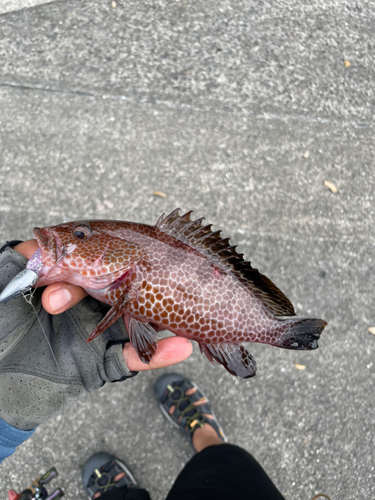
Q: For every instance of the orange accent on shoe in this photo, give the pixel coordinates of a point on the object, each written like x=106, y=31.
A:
x=12, y=495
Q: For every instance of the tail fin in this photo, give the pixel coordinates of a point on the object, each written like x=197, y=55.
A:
x=302, y=334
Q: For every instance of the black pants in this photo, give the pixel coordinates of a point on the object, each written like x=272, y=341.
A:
x=219, y=472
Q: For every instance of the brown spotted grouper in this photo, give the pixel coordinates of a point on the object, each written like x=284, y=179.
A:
x=179, y=276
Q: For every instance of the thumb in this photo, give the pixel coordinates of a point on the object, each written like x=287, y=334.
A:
x=170, y=351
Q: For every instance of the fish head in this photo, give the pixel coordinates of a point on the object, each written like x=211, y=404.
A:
x=83, y=253
x=75, y=245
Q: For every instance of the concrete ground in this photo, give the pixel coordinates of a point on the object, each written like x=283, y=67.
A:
x=239, y=110
x=14, y=5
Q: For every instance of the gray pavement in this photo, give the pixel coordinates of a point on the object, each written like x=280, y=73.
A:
x=13, y=5
x=214, y=105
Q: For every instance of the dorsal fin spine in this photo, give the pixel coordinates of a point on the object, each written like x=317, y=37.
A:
x=218, y=251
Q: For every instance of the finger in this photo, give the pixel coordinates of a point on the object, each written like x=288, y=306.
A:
x=27, y=248
x=59, y=297
x=170, y=351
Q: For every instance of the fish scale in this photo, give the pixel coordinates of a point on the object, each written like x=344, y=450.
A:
x=178, y=275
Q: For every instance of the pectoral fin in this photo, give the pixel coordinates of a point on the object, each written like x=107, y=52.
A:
x=112, y=315
x=143, y=338
x=235, y=358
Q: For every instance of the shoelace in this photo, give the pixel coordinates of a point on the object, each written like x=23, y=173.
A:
x=103, y=475
x=191, y=420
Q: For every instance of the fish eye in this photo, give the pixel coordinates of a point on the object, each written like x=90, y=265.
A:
x=81, y=232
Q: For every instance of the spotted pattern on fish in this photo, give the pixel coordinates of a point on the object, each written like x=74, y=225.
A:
x=179, y=276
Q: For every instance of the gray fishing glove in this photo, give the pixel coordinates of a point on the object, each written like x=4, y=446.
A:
x=32, y=387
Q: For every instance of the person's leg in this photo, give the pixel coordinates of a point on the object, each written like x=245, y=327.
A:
x=128, y=494
x=221, y=473
x=218, y=471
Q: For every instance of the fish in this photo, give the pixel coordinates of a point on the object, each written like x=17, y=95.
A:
x=178, y=275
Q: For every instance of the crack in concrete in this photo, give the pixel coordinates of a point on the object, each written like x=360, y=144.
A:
x=41, y=89
x=196, y=107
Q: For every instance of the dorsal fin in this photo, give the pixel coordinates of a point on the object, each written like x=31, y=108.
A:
x=221, y=253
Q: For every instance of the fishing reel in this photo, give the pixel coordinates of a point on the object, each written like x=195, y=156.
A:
x=37, y=490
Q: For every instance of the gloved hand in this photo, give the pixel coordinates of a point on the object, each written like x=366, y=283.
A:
x=32, y=388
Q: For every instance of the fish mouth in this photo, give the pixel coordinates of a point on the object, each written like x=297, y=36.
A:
x=50, y=245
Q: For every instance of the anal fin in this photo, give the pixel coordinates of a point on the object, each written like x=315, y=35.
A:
x=143, y=338
x=112, y=315
x=235, y=358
